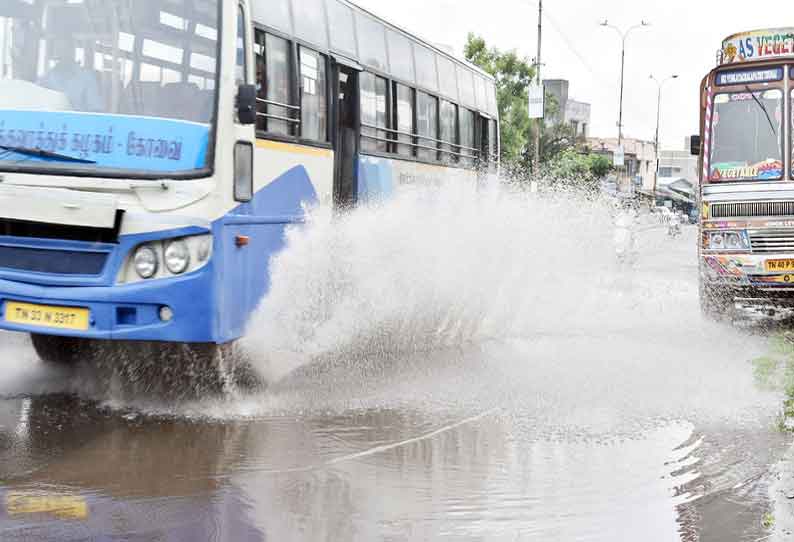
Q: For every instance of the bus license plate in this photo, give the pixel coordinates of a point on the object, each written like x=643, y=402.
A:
x=779, y=265
x=46, y=316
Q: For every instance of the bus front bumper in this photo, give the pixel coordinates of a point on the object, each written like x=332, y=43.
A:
x=177, y=309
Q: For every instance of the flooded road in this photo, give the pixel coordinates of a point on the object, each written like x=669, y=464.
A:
x=610, y=411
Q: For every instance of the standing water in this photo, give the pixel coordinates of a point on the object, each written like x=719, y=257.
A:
x=457, y=363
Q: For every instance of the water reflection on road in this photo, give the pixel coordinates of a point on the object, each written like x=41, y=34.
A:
x=615, y=429
x=367, y=475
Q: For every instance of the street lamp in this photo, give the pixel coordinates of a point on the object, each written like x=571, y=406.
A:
x=659, y=85
x=623, y=36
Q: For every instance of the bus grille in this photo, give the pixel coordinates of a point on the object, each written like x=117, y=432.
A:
x=772, y=241
x=62, y=262
x=754, y=208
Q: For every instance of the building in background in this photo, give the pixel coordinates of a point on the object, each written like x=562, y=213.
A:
x=676, y=186
x=571, y=112
x=639, y=158
x=679, y=163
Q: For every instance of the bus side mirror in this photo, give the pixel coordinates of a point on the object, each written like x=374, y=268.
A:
x=246, y=104
x=695, y=145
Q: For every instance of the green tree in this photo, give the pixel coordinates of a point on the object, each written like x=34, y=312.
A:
x=600, y=165
x=572, y=167
x=558, y=142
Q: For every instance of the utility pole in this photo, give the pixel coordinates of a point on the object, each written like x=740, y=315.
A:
x=660, y=85
x=623, y=36
x=540, y=84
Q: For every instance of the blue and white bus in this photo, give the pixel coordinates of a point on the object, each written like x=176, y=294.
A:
x=152, y=153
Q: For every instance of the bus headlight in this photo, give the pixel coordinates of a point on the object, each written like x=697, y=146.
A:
x=166, y=258
x=177, y=257
x=146, y=262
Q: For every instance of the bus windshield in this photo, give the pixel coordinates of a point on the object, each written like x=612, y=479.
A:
x=747, y=139
x=122, y=87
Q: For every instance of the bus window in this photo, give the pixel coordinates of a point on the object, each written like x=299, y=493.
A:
x=373, y=113
x=466, y=86
x=449, y=82
x=427, y=129
x=493, y=108
x=371, y=42
x=467, y=137
x=343, y=32
x=404, y=109
x=426, y=71
x=314, y=107
x=151, y=74
x=274, y=12
x=449, y=131
x=240, y=67
x=492, y=139
x=309, y=16
x=482, y=100
x=276, y=113
x=401, y=58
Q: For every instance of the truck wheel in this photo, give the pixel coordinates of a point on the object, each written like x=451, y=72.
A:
x=60, y=350
x=715, y=303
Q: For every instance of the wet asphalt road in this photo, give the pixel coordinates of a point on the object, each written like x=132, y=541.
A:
x=639, y=422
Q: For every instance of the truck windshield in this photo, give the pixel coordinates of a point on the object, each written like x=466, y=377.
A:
x=108, y=86
x=747, y=136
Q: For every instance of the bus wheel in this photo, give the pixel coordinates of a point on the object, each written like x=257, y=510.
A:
x=175, y=371
x=715, y=303
x=60, y=350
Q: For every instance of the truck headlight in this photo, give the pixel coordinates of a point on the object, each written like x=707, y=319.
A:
x=177, y=257
x=733, y=241
x=728, y=240
x=146, y=262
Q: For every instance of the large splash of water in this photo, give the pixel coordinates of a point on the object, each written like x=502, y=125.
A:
x=447, y=266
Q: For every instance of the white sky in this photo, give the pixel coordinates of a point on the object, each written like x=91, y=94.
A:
x=684, y=39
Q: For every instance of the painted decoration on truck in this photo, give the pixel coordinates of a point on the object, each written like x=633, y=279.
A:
x=108, y=141
x=732, y=171
x=758, y=45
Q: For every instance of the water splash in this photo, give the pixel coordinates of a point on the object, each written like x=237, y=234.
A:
x=446, y=266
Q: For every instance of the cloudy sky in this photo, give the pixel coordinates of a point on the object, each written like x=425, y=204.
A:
x=683, y=39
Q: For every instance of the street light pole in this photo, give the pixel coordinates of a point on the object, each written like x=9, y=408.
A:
x=539, y=121
x=660, y=85
x=623, y=36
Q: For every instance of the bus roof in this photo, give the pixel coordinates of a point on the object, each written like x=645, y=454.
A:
x=755, y=45
x=348, y=31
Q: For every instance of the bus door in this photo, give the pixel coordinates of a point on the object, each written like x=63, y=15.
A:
x=346, y=131
x=237, y=302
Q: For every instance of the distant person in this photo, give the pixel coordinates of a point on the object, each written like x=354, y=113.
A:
x=78, y=83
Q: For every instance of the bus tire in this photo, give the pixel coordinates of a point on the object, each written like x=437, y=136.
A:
x=175, y=371
x=60, y=350
x=715, y=303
